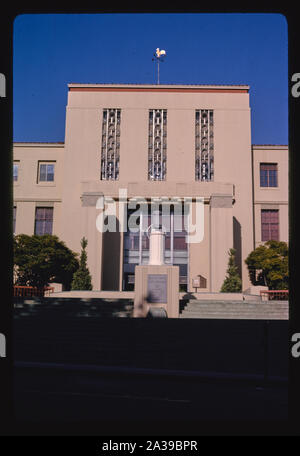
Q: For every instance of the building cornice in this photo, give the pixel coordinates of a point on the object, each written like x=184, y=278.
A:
x=173, y=88
x=37, y=200
x=271, y=202
x=269, y=147
x=39, y=144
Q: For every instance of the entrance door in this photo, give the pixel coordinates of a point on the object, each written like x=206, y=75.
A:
x=136, y=243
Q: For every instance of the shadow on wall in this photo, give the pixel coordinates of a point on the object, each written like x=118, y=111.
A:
x=111, y=255
x=237, y=244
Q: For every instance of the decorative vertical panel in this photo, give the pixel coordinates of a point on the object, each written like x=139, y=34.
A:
x=157, y=150
x=204, y=143
x=110, y=153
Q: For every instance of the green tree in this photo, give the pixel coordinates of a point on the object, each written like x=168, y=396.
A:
x=82, y=279
x=232, y=282
x=40, y=260
x=268, y=265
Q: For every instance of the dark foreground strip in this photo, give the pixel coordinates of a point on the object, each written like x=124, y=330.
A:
x=136, y=371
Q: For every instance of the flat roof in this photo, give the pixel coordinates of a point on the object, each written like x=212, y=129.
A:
x=234, y=88
x=38, y=143
x=61, y=143
x=269, y=146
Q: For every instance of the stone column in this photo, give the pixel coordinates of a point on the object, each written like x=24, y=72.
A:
x=157, y=247
x=94, y=237
x=221, y=238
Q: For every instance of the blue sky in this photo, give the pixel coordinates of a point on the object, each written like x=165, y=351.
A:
x=52, y=50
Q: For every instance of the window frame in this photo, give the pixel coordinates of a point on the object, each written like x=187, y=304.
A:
x=16, y=163
x=44, y=220
x=42, y=163
x=269, y=223
x=266, y=164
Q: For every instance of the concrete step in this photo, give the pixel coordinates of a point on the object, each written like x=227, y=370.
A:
x=242, y=305
x=239, y=308
x=235, y=309
x=197, y=302
x=219, y=300
x=235, y=313
x=266, y=310
x=234, y=317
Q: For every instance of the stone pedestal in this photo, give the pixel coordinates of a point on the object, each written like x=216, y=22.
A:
x=157, y=247
x=156, y=286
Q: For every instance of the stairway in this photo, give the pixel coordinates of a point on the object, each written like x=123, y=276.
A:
x=243, y=310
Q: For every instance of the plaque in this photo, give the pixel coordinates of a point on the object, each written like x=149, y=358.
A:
x=157, y=288
x=196, y=282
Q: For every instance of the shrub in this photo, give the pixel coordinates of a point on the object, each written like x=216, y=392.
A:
x=232, y=282
x=82, y=279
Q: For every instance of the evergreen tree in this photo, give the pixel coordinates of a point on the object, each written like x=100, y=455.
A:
x=82, y=279
x=40, y=260
x=232, y=282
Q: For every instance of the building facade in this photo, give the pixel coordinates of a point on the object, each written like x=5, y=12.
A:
x=184, y=150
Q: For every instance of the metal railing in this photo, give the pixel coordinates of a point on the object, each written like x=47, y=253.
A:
x=274, y=295
x=26, y=291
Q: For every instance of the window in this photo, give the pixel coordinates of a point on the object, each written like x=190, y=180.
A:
x=15, y=171
x=269, y=225
x=46, y=172
x=268, y=175
x=157, y=145
x=110, y=152
x=204, y=144
x=43, y=220
x=174, y=221
x=14, y=219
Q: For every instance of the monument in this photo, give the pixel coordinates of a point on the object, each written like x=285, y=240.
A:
x=156, y=284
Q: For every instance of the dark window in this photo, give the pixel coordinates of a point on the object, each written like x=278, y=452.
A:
x=43, y=220
x=16, y=171
x=268, y=175
x=46, y=172
x=269, y=225
x=14, y=219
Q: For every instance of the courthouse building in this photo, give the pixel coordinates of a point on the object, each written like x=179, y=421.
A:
x=164, y=143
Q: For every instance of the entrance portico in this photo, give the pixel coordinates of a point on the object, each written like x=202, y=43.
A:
x=118, y=217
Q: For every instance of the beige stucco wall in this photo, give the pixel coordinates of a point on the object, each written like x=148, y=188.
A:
x=230, y=214
x=233, y=164
x=232, y=145
x=271, y=197
x=28, y=192
x=199, y=253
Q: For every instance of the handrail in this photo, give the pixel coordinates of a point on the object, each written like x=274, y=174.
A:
x=27, y=291
x=274, y=294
